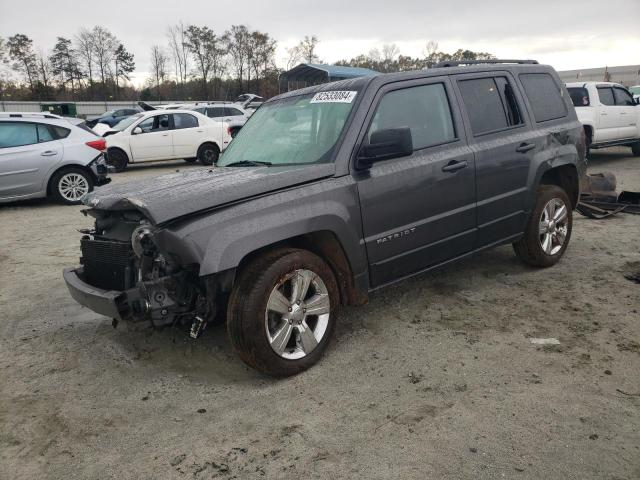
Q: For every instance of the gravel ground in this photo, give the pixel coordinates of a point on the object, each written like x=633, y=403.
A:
x=434, y=378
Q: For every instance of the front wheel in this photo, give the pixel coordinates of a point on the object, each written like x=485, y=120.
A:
x=282, y=311
x=208, y=153
x=549, y=228
x=70, y=185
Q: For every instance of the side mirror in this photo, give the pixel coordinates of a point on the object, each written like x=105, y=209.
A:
x=386, y=144
x=136, y=131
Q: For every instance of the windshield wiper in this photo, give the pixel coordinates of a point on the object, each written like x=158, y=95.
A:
x=248, y=163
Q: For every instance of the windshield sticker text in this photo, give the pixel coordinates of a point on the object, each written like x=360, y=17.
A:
x=334, y=97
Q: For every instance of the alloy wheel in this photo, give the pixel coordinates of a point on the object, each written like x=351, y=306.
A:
x=553, y=226
x=73, y=186
x=297, y=314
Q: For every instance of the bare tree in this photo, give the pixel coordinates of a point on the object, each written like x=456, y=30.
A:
x=177, y=35
x=294, y=56
x=84, y=47
x=237, y=46
x=104, y=48
x=308, y=49
x=158, y=67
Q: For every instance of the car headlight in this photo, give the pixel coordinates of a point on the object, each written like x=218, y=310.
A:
x=142, y=240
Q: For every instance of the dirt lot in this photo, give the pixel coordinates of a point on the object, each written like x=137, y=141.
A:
x=434, y=378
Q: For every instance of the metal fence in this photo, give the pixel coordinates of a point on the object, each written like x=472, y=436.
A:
x=85, y=109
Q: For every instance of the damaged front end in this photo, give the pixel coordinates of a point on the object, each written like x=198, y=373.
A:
x=124, y=275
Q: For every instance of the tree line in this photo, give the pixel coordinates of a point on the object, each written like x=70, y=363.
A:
x=195, y=63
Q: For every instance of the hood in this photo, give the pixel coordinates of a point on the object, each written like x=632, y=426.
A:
x=172, y=196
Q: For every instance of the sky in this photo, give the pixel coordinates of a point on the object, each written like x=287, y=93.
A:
x=567, y=34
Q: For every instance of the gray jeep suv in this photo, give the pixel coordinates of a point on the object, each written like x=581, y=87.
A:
x=333, y=191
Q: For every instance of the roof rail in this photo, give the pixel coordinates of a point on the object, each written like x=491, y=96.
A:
x=29, y=115
x=457, y=63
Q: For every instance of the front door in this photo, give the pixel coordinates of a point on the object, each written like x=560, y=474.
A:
x=418, y=211
x=155, y=142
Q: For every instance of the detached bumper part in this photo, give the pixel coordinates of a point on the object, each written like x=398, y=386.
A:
x=109, y=303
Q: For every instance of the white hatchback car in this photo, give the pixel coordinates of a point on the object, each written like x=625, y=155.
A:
x=42, y=154
x=166, y=135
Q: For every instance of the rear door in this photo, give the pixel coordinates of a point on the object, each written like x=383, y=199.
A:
x=609, y=120
x=187, y=134
x=628, y=113
x=27, y=151
x=418, y=211
x=503, y=143
x=155, y=142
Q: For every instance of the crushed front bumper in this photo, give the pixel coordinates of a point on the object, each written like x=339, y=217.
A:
x=110, y=303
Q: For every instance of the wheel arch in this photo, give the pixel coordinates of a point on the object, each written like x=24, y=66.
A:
x=326, y=245
x=566, y=177
x=67, y=166
x=120, y=149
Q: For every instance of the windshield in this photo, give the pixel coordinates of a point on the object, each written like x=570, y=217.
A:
x=295, y=130
x=635, y=90
x=122, y=124
x=579, y=96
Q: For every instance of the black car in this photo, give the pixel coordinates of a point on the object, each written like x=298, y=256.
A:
x=336, y=190
x=113, y=117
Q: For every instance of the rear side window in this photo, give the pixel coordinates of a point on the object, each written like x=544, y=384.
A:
x=579, y=96
x=622, y=97
x=490, y=104
x=16, y=134
x=545, y=96
x=424, y=109
x=232, y=112
x=215, y=112
x=184, y=120
x=606, y=96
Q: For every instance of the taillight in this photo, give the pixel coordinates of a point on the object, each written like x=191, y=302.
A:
x=229, y=131
x=100, y=144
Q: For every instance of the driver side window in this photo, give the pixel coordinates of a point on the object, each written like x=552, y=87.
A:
x=155, y=124
x=424, y=109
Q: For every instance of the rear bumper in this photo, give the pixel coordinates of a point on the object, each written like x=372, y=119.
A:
x=109, y=303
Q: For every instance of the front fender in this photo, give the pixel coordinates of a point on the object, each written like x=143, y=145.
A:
x=221, y=239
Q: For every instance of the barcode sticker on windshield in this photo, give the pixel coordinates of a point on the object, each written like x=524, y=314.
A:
x=334, y=97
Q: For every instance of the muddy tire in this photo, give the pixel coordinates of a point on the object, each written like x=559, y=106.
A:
x=548, y=230
x=208, y=153
x=281, y=312
x=69, y=185
x=117, y=159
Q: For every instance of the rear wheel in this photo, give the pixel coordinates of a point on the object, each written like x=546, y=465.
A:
x=635, y=148
x=549, y=228
x=70, y=185
x=208, y=153
x=117, y=159
x=282, y=311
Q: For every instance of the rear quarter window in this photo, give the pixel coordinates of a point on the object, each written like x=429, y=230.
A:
x=579, y=96
x=545, y=96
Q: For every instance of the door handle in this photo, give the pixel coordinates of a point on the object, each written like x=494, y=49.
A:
x=604, y=114
x=48, y=153
x=165, y=134
x=454, y=166
x=525, y=147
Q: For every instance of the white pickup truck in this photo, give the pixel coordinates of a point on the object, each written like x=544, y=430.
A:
x=609, y=113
